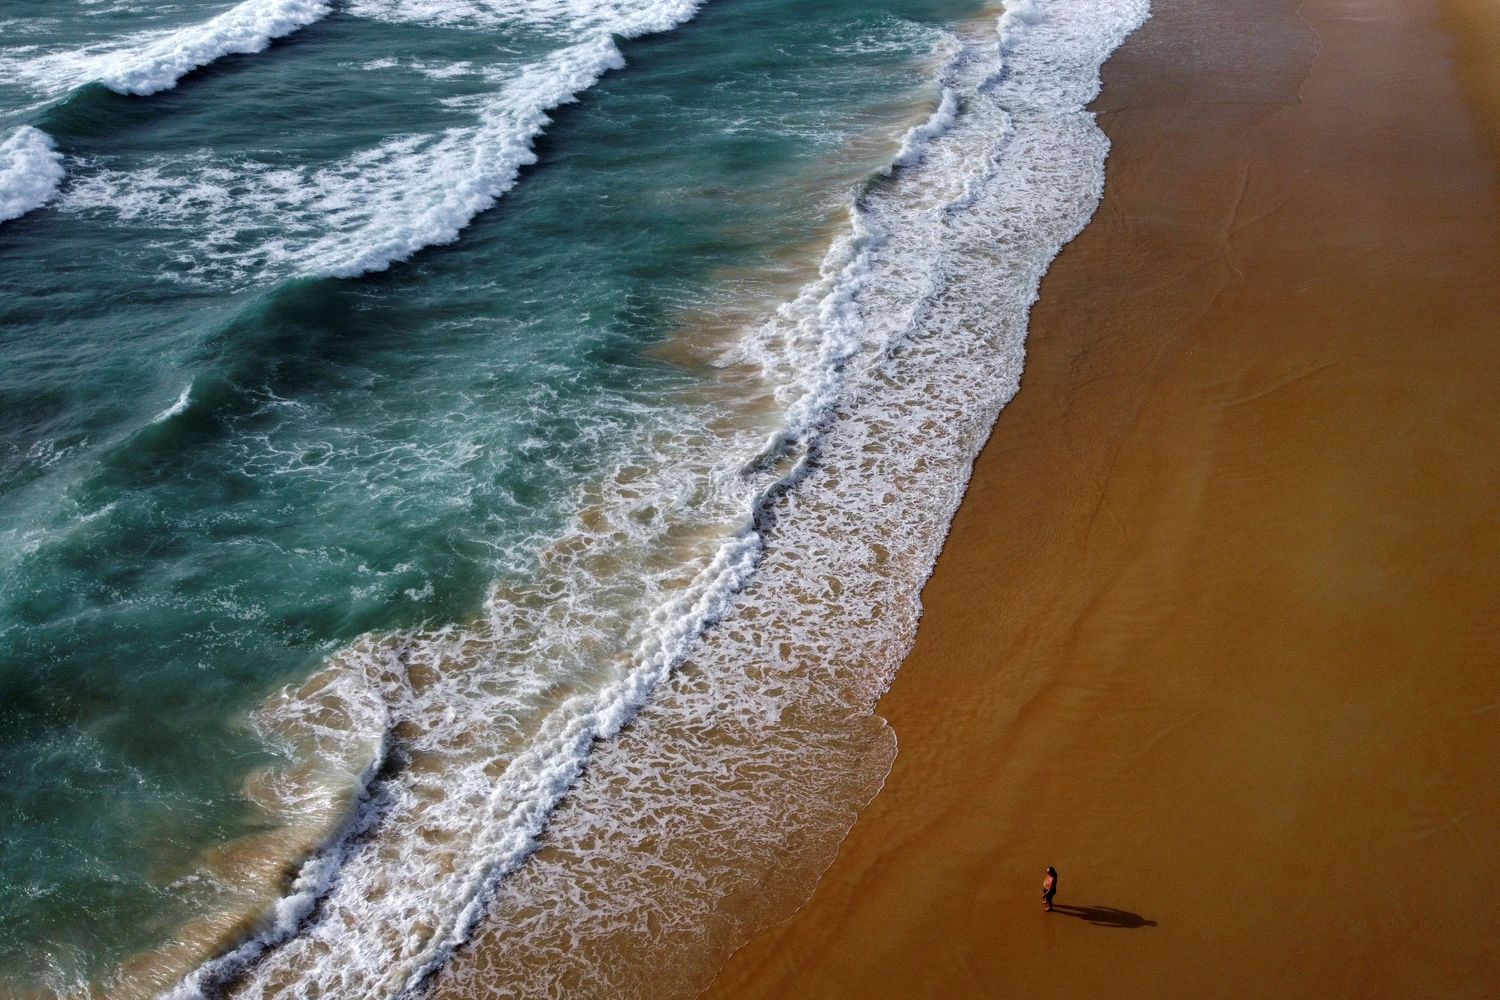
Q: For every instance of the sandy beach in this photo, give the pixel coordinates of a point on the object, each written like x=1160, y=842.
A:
x=1214, y=629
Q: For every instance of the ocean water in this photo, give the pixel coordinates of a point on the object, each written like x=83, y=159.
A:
x=467, y=466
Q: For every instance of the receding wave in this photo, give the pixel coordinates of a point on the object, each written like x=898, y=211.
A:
x=151, y=62
x=31, y=170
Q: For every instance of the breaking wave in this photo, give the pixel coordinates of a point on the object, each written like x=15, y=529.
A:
x=154, y=61
x=776, y=529
x=31, y=170
x=716, y=811
x=819, y=484
x=383, y=204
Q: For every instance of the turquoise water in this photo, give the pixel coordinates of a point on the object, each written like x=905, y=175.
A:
x=286, y=360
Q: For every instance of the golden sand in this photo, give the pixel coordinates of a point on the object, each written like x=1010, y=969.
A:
x=1215, y=630
x=1474, y=26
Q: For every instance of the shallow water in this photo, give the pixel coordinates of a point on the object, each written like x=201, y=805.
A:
x=396, y=391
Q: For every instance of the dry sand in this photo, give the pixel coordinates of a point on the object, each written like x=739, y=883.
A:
x=1215, y=629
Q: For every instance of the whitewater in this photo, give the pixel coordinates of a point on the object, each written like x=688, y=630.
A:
x=886, y=285
x=30, y=171
x=917, y=324
x=670, y=687
x=152, y=61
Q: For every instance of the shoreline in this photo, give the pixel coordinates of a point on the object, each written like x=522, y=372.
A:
x=218, y=939
x=758, y=753
x=1210, y=631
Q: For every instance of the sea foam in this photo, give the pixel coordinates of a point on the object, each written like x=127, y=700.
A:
x=31, y=169
x=570, y=17
x=780, y=538
x=746, y=770
x=153, y=61
x=382, y=204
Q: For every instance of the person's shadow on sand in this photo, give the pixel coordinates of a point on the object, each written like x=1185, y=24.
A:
x=1104, y=916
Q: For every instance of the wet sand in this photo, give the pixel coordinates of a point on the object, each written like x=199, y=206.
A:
x=1215, y=632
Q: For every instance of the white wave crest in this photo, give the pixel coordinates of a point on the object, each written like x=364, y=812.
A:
x=383, y=204
x=31, y=169
x=1016, y=17
x=748, y=767
x=493, y=722
x=180, y=405
x=333, y=731
x=570, y=16
x=920, y=136
x=153, y=61
x=890, y=366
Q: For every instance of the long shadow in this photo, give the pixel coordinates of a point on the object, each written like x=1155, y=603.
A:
x=1104, y=916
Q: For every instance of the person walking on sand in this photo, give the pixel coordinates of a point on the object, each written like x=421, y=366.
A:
x=1049, y=888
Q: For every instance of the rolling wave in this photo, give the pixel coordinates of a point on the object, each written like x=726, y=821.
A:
x=910, y=342
x=150, y=62
x=31, y=170
x=382, y=204
x=622, y=16
x=499, y=718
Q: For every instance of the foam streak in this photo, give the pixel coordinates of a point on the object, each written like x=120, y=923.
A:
x=899, y=357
